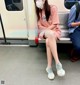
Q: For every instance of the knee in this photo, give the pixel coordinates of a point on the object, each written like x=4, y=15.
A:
x=50, y=34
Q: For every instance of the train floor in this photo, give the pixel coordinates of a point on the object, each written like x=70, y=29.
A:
x=26, y=66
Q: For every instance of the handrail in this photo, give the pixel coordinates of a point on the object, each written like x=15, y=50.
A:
x=5, y=41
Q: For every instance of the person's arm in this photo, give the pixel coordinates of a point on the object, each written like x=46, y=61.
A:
x=55, y=17
x=74, y=24
x=55, y=20
x=40, y=26
x=71, y=20
x=52, y=26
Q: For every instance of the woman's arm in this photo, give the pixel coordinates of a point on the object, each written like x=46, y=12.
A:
x=54, y=17
x=52, y=26
x=40, y=26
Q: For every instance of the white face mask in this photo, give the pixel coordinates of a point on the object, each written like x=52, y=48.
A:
x=39, y=4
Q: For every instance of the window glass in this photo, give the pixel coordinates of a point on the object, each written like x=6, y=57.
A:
x=16, y=1
x=14, y=5
x=69, y=3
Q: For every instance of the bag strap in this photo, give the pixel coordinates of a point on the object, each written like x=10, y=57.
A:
x=77, y=10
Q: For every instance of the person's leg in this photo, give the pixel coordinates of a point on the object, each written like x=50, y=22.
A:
x=52, y=44
x=49, y=60
x=75, y=38
x=51, y=40
x=49, y=54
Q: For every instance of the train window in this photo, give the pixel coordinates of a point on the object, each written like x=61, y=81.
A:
x=16, y=1
x=69, y=3
x=14, y=5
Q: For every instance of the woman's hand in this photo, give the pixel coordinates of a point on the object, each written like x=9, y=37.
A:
x=52, y=27
x=45, y=24
x=41, y=34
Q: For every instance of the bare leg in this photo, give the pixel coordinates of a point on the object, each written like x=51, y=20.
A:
x=51, y=47
x=51, y=75
x=52, y=44
x=49, y=54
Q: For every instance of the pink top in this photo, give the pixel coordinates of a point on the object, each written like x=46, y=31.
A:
x=53, y=21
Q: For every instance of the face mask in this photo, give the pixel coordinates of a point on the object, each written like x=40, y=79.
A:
x=39, y=4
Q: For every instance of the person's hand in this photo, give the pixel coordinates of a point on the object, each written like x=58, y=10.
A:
x=52, y=27
x=79, y=23
x=41, y=35
x=45, y=24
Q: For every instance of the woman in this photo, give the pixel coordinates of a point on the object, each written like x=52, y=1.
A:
x=48, y=24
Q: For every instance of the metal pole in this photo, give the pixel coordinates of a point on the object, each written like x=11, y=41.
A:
x=5, y=42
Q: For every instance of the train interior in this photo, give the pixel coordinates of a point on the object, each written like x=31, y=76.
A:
x=23, y=57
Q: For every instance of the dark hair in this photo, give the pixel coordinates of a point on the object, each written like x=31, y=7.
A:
x=46, y=8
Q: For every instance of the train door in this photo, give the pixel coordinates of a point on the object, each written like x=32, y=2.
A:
x=14, y=19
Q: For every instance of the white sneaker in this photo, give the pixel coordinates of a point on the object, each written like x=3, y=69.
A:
x=60, y=70
x=50, y=73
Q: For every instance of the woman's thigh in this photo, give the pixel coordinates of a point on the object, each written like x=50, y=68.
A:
x=50, y=34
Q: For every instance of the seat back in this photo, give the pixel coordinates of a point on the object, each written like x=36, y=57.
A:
x=63, y=18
